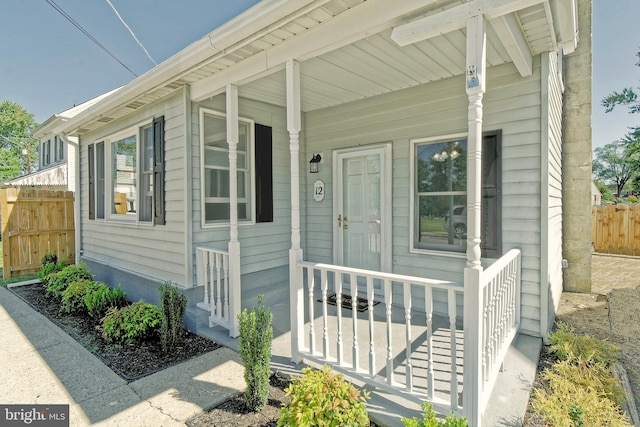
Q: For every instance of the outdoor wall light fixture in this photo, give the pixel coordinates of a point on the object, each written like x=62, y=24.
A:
x=314, y=162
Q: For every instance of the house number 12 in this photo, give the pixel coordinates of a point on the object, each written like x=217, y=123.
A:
x=318, y=190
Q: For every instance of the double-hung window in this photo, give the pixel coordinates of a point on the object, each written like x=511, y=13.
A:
x=58, y=150
x=254, y=170
x=439, y=192
x=126, y=175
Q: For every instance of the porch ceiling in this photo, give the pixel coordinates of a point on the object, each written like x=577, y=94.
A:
x=367, y=62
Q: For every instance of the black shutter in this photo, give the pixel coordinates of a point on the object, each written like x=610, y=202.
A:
x=264, y=173
x=92, y=178
x=491, y=223
x=158, y=170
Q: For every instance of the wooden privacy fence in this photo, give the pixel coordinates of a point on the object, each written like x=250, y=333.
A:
x=615, y=229
x=35, y=223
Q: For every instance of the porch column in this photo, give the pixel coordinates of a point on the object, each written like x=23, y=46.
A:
x=476, y=72
x=294, y=125
x=234, y=243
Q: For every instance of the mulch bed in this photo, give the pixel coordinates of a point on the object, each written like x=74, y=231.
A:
x=130, y=362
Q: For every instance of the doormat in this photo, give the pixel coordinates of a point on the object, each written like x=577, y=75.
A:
x=362, y=304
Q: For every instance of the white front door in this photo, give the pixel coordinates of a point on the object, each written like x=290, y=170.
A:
x=362, y=208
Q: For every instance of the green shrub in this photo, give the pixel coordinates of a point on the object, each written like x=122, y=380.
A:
x=431, y=420
x=172, y=304
x=57, y=282
x=50, y=264
x=49, y=258
x=632, y=199
x=568, y=345
x=323, y=398
x=577, y=396
x=256, y=335
x=132, y=323
x=581, y=389
x=101, y=299
x=74, y=295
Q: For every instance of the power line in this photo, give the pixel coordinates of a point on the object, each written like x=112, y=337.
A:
x=131, y=32
x=86, y=33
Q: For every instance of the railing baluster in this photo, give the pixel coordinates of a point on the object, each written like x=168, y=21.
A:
x=354, y=317
x=325, y=315
x=454, y=349
x=372, y=354
x=340, y=355
x=312, y=331
x=428, y=295
x=408, y=341
x=226, y=287
x=388, y=299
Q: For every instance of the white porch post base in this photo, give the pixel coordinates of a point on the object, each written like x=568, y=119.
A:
x=235, y=290
x=472, y=378
x=296, y=299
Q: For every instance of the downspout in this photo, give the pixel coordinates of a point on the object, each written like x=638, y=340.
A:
x=188, y=186
x=76, y=202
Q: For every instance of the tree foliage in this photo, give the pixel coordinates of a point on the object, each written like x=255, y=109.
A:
x=16, y=125
x=612, y=164
x=626, y=97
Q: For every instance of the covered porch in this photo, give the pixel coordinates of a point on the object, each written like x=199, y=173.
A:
x=444, y=341
x=405, y=356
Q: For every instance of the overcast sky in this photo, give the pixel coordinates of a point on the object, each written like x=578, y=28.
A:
x=47, y=65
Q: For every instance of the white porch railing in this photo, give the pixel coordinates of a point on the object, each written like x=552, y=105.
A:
x=378, y=345
x=500, y=307
x=415, y=350
x=213, y=272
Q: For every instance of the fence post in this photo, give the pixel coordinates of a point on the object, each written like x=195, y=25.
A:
x=472, y=377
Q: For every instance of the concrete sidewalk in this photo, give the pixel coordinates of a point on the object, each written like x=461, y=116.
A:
x=44, y=365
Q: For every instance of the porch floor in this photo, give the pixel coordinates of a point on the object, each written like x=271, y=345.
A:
x=510, y=395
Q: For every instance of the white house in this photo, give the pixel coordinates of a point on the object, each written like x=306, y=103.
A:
x=311, y=148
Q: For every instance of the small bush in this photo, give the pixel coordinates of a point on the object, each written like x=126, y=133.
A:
x=581, y=388
x=74, y=295
x=50, y=264
x=577, y=397
x=49, y=259
x=132, y=323
x=256, y=335
x=101, y=299
x=431, y=420
x=172, y=304
x=57, y=282
x=323, y=398
x=568, y=345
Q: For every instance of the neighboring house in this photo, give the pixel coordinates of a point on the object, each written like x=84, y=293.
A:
x=57, y=152
x=198, y=173
x=596, y=196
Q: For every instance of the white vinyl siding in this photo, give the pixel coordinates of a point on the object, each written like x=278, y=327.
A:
x=511, y=104
x=263, y=246
x=152, y=252
x=551, y=254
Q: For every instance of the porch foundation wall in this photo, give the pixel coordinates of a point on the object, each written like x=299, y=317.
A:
x=577, y=158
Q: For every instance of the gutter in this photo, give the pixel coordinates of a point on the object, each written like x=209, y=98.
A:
x=237, y=32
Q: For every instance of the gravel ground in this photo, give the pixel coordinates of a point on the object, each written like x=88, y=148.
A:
x=611, y=311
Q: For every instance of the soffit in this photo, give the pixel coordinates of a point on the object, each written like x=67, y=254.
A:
x=371, y=66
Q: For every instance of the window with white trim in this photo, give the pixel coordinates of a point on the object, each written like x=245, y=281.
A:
x=216, y=200
x=439, y=191
x=126, y=175
x=440, y=198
